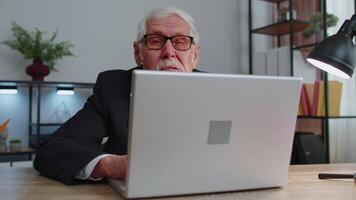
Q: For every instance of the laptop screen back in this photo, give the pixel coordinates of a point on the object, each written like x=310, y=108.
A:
x=199, y=133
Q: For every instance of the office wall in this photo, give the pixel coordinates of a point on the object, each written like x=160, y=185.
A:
x=103, y=32
x=261, y=16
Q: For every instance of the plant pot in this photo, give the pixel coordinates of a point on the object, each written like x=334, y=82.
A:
x=319, y=35
x=37, y=70
x=3, y=146
x=3, y=137
x=15, y=146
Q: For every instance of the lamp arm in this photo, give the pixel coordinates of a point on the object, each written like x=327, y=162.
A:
x=349, y=27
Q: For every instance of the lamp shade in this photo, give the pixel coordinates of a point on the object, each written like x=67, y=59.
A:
x=335, y=55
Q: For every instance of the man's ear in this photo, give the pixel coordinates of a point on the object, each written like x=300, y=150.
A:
x=137, y=52
x=196, y=55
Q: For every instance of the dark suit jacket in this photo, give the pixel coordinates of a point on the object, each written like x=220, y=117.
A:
x=78, y=141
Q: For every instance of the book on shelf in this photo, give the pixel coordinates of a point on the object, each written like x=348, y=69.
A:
x=259, y=63
x=304, y=101
x=315, y=98
x=283, y=55
x=300, y=111
x=320, y=103
x=309, y=87
x=312, y=99
x=273, y=62
x=334, y=98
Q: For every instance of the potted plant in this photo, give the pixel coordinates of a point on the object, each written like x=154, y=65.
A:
x=15, y=145
x=283, y=14
x=43, y=52
x=315, y=24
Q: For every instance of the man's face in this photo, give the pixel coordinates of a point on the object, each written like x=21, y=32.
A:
x=167, y=58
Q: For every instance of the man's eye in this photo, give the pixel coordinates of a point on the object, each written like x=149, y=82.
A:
x=181, y=41
x=155, y=40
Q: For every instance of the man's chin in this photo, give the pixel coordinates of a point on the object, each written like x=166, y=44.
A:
x=170, y=68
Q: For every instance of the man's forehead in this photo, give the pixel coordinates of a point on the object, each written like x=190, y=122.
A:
x=172, y=23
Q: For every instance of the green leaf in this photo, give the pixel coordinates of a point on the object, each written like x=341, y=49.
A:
x=316, y=23
x=32, y=45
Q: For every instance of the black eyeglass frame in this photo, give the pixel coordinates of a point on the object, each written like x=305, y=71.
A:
x=144, y=40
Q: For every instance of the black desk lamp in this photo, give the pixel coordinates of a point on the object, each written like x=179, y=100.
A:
x=336, y=55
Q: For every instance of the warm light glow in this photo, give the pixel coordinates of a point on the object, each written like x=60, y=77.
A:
x=328, y=68
x=8, y=91
x=65, y=92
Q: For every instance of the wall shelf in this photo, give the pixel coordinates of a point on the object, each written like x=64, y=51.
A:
x=275, y=1
x=22, y=151
x=50, y=84
x=282, y=28
x=34, y=88
x=46, y=124
x=328, y=117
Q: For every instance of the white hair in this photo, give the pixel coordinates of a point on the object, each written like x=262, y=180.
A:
x=159, y=13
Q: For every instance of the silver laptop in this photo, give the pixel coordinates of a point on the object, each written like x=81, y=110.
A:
x=204, y=133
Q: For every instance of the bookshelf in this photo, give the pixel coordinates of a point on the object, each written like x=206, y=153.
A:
x=34, y=110
x=290, y=30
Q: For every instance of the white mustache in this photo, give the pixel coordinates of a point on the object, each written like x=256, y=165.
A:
x=169, y=62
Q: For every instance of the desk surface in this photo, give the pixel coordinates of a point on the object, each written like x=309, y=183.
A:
x=25, y=183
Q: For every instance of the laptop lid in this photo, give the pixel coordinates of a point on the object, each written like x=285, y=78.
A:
x=202, y=133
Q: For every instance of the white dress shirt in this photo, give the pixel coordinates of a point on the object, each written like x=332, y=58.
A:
x=85, y=173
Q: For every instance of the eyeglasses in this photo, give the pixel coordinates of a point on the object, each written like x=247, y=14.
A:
x=179, y=42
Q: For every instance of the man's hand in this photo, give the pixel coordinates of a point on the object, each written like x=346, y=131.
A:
x=111, y=166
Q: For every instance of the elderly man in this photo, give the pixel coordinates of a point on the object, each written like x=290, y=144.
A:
x=167, y=40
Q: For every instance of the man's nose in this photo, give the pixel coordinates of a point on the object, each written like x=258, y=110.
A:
x=168, y=50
